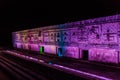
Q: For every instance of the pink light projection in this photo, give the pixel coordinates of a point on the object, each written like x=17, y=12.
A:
x=94, y=34
x=93, y=39
x=26, y=46
x=109, y=32
x=34, y=47
x=18, y=45
x=71, y=52
x=103, y=55
x=50, y=49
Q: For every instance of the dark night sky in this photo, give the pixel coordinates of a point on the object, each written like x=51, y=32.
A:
x=19, y=15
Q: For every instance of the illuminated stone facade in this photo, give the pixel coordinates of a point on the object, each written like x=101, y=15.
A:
x=94, y=39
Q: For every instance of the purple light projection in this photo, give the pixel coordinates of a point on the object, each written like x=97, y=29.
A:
x=50, y=49
x=71, y=52
x=103, y=55
x=94, y=39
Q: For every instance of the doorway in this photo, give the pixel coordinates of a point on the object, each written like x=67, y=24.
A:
x=41, y=49
x=85, y=54
x=60, y=52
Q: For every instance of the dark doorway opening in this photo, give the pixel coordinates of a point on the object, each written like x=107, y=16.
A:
x=41, y=49
x=85, y=54
x=60, y=52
